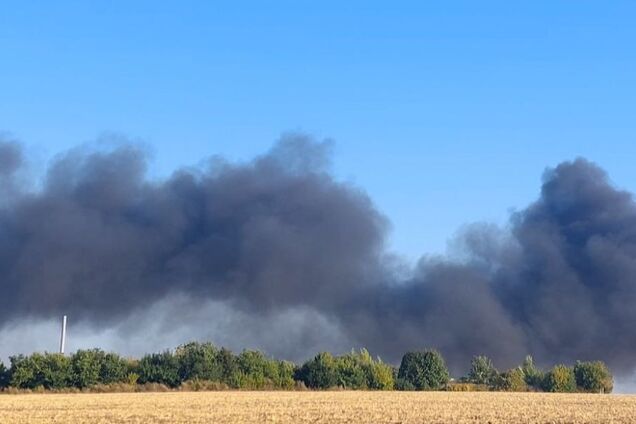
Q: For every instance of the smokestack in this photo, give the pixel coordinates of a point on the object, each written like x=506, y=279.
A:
x=63, y=336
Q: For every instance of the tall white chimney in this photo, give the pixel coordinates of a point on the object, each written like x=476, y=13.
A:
x=63, y=337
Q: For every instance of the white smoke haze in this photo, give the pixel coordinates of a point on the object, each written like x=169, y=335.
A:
x=277, y=254
x=294, y=335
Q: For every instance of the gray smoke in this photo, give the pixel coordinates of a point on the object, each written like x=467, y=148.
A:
x=280, y=240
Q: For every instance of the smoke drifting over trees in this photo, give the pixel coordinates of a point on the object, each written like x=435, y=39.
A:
x=100, y=241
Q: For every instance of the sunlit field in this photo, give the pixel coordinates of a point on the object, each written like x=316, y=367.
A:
x=317, y=407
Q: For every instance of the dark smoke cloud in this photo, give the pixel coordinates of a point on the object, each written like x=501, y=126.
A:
x=280, y=237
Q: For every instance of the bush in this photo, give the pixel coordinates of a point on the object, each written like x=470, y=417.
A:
x=482, y=371
x=112, y=388
x=152, y=387
x=229, y=367
x=48, y=370
x=115, y=369
x=202, y=385
x=161, y=368
x=131, y=378
x=86, y=367
x=358, y=370
x=511, y=381
x=286, y=372
x=202, y=366
x=593, y=377
x=532, y=376
x=4, y=376
x=423, y=370
x=355, y=370
x=198, y=361
x=319, y=372
x=380, y=376
x=256, y=371
x=560, y=379
x=350, y=371
x=466, y=387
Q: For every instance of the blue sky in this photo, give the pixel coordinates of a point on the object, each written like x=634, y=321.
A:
x=445, y=112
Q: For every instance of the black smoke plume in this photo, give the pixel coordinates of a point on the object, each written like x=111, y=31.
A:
x=99, y=240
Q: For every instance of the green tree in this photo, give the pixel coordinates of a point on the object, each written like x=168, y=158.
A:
x=533, y=376
x=380, y=375
x=482, y=371
x=319, y=372
x=115, y=369
x=49, y=370
x=94, y=366
x=21, y=372
x=4, y=376
x=199, y=361
x=85, y=367
x=229, y=366
x=511, y=381
x=593, y=377
x=286, y=372
x=255, y=370
x=560, y=379
x=423, y=370
x=358, y=370
x=160, y=368
x=352, y=370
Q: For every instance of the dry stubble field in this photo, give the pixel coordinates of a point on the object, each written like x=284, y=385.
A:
x=317, y=407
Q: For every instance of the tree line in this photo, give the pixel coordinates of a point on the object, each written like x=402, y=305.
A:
x=198, y=366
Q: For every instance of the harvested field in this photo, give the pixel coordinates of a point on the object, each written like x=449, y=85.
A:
x=317, y=407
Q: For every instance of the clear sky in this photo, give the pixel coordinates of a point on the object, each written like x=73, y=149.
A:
x=445, y=112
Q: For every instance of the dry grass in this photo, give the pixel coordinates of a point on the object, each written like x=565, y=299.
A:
x=317, y=407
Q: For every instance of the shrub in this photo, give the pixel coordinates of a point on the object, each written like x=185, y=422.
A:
x=423, y=370
x=286, y=371
x=115, y=369
x=202, y=366
x=152, y=387
x=593, y=377
x=229, y=367
x=380, y=376
x=86, y=366
x=112, y=388
x=319, y=372
x=511, y=381
x=4, y=376
x=532, y=376
x=466, y=387
x=256, y=371
x=47, y=370
x=131, y=378
x=404, y=385
x=199, y=361
x=560, y=379
x=350, y=371
x=482, y=371
x=202, y=385
x=161, y=368
x=358, y=370
x=354, y=370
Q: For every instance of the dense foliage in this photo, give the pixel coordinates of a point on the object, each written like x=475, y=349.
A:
x=510, y=381
x=560, y=379
x=355, y=370
x=203, y=366
x=482, y=371
x=423, y=370
x=593, y=377
x=531, y=374
x=4, y=375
